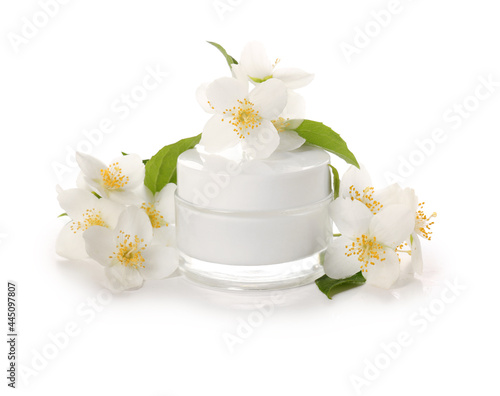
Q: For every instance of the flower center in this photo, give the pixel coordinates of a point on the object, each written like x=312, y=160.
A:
x=91, y=217
x=423, y=223
x=260, y=80
x=281, y=124
x=243, y=117
x=154, y=215
x=112, y=177
x=366, y=198
x=367, y=249
x=129, y=250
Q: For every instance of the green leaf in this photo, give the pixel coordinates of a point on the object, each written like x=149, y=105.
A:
x=161, y=169
x=336, y=182
x=229, y=59
x=97, y=195
x=62, y=215
x=318, y=134
x=330, y=286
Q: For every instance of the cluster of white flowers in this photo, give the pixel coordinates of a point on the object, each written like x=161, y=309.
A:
x=376, y=227
x=118, y=222
x=255, y=123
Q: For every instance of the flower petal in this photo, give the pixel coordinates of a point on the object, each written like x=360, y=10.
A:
x=290, y=140
x=145, y=194
x=110, y=211
x=269, y=98
x=218, y=136
x=166, y=202
x=389, y=195
x=255, y=61
x=239, y=72
x=384, y=273
x=124, y=197
x=261, y=142
x=417, y=261
x=337, y=264
x=71, y=245
x=409, y=198
x=201, y=97
x=292, y=77
x=132, y=166
x=160, y=262
x=76, y=201
x=352, y=218
x=82, y=184
x=225, y=92
x=124, y=278
x=165, y=236
x=100, y=244
x=295, y=106
x=358, y=178
x=134, y=221
x=91, y=168
x=392, y=225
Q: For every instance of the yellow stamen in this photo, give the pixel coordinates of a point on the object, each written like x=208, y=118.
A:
x=281, y=124
x=129, y=251
x=91, y=217
x=403, y=248
x=423, y=223
x=154, y=215
x=366, y=198
x=367, y=249
x=112, y=177
x=243, y=117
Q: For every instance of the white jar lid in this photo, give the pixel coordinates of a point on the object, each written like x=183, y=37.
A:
x=283, y=181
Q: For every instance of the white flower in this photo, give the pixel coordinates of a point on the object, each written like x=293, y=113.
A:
x=85, y=210
x=243, y=118
x=290, y=119
x=160, y=208
x=289, y=138
x=118, y=181
x=256, y=66
x=423, y=222
x=126, y=252
x=368, y=241
x=356, y=184
x=422, y=228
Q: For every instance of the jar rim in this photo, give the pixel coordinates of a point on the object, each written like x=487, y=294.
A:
x=252, y=212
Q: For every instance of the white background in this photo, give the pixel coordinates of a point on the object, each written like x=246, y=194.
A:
x=169, y=337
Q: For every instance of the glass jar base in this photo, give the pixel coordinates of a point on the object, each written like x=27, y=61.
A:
x=254, y=277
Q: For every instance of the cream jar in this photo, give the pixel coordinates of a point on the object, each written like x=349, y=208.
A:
x=260, y=224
